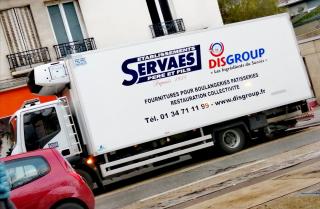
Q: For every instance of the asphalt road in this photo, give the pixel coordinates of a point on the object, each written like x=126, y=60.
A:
x=192, y=171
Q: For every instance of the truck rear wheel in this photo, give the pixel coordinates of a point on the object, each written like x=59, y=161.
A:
x=231, y=140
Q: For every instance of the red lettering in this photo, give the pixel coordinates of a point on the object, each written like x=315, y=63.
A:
x=219, y=62
x=212, y=64
x=223, y=61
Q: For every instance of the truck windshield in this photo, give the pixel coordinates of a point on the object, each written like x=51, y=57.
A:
x=40, y=127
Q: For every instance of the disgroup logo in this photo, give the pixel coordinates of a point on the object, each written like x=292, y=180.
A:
x=217, y=50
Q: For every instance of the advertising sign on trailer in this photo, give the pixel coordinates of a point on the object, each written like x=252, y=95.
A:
x=186, y=81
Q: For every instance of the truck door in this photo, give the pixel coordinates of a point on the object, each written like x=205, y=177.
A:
x=42, y=129
x=49, y=127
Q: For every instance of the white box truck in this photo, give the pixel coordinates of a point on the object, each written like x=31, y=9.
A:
x=127, y=108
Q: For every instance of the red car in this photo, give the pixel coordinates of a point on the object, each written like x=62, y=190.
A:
x=43, y=179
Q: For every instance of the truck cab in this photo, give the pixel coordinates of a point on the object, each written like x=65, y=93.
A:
x=49, y=125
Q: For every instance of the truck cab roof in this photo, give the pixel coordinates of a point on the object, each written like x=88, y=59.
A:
x=39, y=105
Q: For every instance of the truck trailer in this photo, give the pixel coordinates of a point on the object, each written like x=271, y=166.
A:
x=132, y=108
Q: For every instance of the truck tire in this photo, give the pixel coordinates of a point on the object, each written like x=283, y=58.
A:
x=87, y=178
x=231, y=140
x=69, y=205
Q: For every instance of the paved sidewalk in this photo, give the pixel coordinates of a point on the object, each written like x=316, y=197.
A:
x=274, y=189
x=247, y=196
x=309, y=119
x=308, y=198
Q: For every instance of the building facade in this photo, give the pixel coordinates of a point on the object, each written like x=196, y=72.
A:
x=310, y=51
x=297, y=7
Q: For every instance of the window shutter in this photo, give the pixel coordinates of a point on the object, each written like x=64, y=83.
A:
x=19, y=29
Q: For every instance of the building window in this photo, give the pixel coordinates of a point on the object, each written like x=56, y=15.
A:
x=40, y=127
x=162, y=18
x=19, y=29
x=68, y=30
x=154, y=14
x=22, y=38
x=65, y=22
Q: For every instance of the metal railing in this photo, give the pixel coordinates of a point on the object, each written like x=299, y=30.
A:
x=62, y=50
x=166, y=28
x=28, y=58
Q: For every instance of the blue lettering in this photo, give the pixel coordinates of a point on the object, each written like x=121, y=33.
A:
x=130, y=72
x=255, y=55
x=142, y=69
x=261, y=52
x=245, y=56
x=182, y=60
x=162, y=64
x=230, y=59
x=151, y=67
x=172, y=63
x=190, y=59
x=237, y=58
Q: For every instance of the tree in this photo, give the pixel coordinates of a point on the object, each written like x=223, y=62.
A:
x=240, y=10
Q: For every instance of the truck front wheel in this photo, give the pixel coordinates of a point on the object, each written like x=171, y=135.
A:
x=231, y=140
x=87, y=178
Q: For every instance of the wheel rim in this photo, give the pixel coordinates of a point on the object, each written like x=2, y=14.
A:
x=231, y=139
